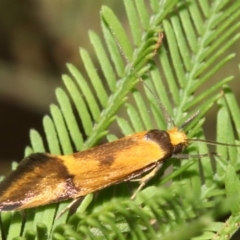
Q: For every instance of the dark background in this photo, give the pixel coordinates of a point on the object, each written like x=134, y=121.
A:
x=37, y=39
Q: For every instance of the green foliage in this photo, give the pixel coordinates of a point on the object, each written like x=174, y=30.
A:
x=197, y=34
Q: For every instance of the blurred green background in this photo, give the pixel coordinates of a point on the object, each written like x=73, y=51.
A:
x=37, y=39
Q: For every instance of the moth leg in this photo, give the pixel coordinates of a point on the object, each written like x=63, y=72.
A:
x=144, y=180
x=67, y=208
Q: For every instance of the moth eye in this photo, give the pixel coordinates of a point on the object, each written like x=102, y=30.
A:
x=178, y=148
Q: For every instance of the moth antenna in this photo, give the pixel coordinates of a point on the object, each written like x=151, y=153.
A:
x=189, y=120
x=213, y=142
x=159, y=42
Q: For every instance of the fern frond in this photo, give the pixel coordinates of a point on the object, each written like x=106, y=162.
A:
x=126, y=219
x=191, y=53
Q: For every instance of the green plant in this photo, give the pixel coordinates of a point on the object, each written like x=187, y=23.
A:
x=197, y=34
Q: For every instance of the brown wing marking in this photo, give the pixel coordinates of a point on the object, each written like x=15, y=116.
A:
x=39, y=179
